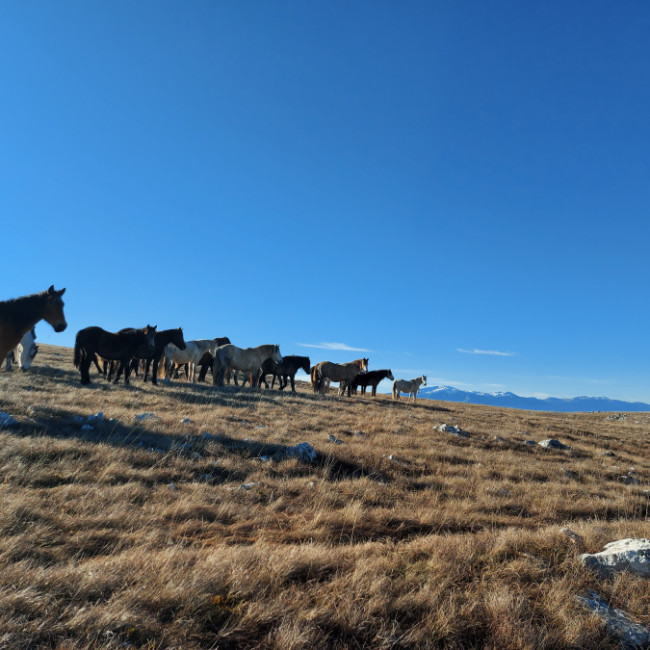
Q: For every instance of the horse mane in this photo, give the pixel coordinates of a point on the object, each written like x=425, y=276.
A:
x=24, y=311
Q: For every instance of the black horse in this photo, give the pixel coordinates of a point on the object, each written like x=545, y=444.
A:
x=161, y=339
x=285, y=370
x=372, y=378
x=92, y=341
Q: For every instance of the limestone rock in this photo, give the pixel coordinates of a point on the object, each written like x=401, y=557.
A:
x=553, y=444
x=453, y=430
x=617, y=623
x=623, y=555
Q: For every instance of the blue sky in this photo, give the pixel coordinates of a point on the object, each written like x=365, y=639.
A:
x=460, y=188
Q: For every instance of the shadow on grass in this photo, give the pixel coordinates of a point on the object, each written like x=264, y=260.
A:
x=334, y=468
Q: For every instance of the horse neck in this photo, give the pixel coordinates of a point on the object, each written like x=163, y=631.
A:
x=164, y=337
x=24, y=312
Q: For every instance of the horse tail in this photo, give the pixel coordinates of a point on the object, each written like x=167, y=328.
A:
x=78, y=348
x=394, y=390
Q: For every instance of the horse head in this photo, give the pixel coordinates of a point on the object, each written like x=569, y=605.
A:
x=364, y=365
x=424, y=380
x=53, y=312
x=277, y=356
x=150, y=333
x=177, y=339
x=390, y=375
x=306, y=365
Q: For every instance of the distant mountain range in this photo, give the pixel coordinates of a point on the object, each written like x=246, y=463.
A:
x=510, y=400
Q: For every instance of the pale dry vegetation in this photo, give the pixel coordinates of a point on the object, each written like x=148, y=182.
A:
x=147, y=534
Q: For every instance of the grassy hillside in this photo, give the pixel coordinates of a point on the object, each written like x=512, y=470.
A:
x=151, y=534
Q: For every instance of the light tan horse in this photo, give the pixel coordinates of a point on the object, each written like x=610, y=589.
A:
x=361, y=365
x=410, y=386
x=248, y=360
x=19, y=315
x=343, y=373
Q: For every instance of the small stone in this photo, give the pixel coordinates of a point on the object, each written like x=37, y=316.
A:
x=530, y=443
x=553, y=444
x=629, y=480
x=186, y=421
x=574, y=537
x=499, y=439
x=609, y=454
x=617, y=623
x=145, y=416
x=453, y=430
x=335, y=440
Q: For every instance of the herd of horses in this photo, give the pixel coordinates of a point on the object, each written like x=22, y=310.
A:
x=124, y=352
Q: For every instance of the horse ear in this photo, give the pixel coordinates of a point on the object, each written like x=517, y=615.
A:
x=61, y=292
x=51, y=290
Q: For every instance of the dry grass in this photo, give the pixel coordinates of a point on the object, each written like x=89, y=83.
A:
x=107, y=543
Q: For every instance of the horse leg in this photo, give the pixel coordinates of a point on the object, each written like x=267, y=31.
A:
x=120, y=369
x=126, y=362
x=84, y=368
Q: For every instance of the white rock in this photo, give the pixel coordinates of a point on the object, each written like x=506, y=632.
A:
x=553, y=444
x=454, y=431
x=304, y=451
x=145, y=416
x=623, y=555
x=617, y=623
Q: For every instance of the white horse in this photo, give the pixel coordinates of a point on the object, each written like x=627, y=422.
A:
x=244, y=359
x=24, y=352
x=410, y=386
x=191, y=355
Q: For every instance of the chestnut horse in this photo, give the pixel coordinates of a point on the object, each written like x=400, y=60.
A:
x=19, y=315
x=92, y=341
x=361, y=365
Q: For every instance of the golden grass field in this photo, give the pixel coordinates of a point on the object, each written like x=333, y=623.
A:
x=146, y=534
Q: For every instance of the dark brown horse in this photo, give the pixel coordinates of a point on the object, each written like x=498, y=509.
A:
x=285, y=371
x=19, y=315
x=121, y=347
x=371, y=378
x=161, y=339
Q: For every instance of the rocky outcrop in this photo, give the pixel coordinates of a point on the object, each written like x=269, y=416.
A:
x=623, y=555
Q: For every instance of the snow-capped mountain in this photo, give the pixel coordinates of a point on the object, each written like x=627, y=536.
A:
x=510, y=400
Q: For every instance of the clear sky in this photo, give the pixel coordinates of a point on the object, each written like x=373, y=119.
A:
x=458, y=187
